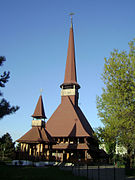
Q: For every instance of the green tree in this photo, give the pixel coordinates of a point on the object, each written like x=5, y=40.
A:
x=7, y=148
x=107, y=142
x=116, y=105
x=5, y=107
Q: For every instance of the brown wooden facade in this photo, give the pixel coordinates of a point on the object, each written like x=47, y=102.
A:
x=67, y=135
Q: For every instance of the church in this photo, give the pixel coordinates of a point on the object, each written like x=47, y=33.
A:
x=67, y=135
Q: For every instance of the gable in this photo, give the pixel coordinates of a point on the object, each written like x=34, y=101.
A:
x=68, y=121
x=36, y=134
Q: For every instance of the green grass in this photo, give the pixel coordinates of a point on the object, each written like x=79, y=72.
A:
x=35, y=173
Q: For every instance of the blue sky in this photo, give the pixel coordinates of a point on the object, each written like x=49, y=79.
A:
x=34, y=39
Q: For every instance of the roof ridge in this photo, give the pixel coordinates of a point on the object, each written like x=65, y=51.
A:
x=40, y=135
x=86, y=121
x=46, y=135
x=77, y=115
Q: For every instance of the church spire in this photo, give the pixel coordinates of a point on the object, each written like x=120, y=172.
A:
x=39, y=112
x=70, y=86
x=70, y=70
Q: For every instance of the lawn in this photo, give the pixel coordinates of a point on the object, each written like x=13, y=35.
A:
x=35, y=173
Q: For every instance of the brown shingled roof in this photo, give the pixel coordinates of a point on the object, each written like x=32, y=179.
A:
x=39, y=110
x=36, y=135
x=70, y=71
x=68, y=121
x=70, y=146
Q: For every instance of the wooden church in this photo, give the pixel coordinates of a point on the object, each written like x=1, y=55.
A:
x=67, y=135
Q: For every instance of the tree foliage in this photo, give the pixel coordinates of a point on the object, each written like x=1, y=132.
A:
x=5, y=107
x=7, y=149
x=116, y=105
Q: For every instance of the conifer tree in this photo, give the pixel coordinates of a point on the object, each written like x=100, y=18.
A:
x=5, y=107
x=7, y=149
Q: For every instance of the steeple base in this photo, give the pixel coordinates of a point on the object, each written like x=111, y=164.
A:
x=38, y=123
x=72, y=92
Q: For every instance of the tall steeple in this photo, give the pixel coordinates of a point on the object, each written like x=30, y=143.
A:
x=70, y=86
x=39, y=112
x=70, y=70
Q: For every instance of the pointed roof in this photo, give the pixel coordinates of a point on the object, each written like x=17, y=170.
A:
x=39, y=112
x=68, y=121
x=36, y=135
x=70, y=70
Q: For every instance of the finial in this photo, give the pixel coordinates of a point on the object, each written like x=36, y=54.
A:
x=71, y=15
x=41, y=90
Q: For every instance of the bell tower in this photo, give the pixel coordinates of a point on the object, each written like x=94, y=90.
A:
x=70, y=86
x=39, y=114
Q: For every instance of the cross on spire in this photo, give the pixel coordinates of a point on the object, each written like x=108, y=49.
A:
x=71, y=15
x=41, y=90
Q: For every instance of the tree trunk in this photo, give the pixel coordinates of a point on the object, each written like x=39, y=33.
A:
x=129, y=163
